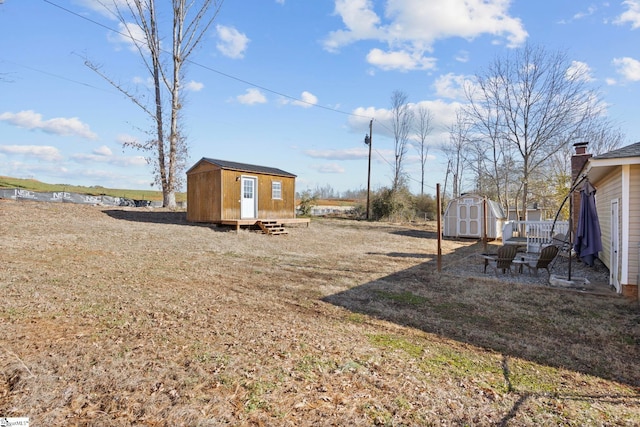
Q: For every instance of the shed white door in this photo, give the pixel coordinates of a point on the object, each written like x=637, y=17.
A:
x=248, y=198
x=469, y=218
x=615, y=247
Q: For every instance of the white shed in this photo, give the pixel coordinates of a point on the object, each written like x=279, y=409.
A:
x=465, y=217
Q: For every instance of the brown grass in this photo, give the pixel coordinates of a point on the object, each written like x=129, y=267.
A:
x=117, y=317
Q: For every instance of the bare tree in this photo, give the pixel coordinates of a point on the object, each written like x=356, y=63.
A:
x=190, y=22
x=423, y=128
x=456, y=152
x=401, y=120
x=539, y=101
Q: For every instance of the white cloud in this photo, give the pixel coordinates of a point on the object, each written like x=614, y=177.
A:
x=411, y=27
x=252, y=96
x=29, y=119
x=146, y=81
x=194, y=86
x=100, y=156
x=590, y=11
x=628, y=67
x=42, y=152
x=232, y=43
x=129, y=34
x=631, y=15
x=580, y=71
x=345, y=154
x=105, y=7
x=580, y=15
x=400, y=60
x=442, y=113
x=103, y=151
x=451, y=86
x=462, y=56
x=307, y=100
x=328, y=168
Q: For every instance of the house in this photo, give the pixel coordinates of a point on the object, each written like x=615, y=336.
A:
x=231, y=193
x=616, y=177
x=465, y=217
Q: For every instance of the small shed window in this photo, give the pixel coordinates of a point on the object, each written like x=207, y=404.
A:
x=276, y=190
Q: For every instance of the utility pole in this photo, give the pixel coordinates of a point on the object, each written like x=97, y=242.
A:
x=368, y=140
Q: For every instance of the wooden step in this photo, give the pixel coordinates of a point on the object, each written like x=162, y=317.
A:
x=272, y=227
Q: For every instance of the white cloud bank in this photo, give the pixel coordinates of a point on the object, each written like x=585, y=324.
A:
x=631, y=15
x=410, y=28
x=29, y=119
x=42, y=152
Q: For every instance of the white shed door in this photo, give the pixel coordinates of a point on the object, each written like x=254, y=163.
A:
x=248, y=198
x=469, y=218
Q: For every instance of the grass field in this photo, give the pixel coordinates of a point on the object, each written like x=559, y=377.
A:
x=124, y=316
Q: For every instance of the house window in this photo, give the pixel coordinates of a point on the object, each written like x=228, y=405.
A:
x=276, y=190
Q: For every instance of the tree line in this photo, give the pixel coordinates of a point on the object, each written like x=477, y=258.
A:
x=511, y=141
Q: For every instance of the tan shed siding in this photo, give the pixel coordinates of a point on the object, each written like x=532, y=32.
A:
x=213, y=194
x=268, y=208
x=203, y=204
x=634, y=224
x=231, y=189
x=608, y=189
x=271, y=208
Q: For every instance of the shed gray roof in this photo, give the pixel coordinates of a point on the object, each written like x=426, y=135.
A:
x=244, y=167
x=632, y=150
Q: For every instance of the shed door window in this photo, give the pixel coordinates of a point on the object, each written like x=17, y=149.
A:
x=248, y=189
x=276, y=190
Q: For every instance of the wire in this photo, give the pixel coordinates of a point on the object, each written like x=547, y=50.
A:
x=221, y=73
x=229, y=76
x=56, y=76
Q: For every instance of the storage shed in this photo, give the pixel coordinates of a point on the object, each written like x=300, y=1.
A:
x=464, y=217
x=224, y=192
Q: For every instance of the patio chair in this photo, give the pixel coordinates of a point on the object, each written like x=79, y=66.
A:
x=547, y=255
x=503, y=260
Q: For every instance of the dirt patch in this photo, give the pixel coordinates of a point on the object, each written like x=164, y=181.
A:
x=135, y=317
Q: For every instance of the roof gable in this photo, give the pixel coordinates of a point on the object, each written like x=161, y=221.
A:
x=244, y=167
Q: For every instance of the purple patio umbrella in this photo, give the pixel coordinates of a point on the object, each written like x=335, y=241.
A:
x=588, y=241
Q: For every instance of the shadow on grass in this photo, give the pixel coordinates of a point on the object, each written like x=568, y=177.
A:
x=595, y=335
x=400, y=254
x=160, y=217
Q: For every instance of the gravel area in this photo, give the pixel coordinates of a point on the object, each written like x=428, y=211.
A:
x=597, y=277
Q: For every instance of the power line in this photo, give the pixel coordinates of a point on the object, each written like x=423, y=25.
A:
x=221, y=73
x=229, y=76
x=56, y=75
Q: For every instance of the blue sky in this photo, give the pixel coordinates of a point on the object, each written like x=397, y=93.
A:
x=62, y=123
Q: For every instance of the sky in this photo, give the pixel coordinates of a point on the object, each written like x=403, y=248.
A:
x=289, y=84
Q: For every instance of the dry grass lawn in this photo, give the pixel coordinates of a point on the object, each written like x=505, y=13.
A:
x=119, y=317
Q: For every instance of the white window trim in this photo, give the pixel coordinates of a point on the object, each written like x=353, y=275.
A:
x=273, y=197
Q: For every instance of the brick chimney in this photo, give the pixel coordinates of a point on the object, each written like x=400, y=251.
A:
x=578, y=161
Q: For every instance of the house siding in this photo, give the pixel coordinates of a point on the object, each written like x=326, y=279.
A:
x=634, y=224
x=608, y=189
